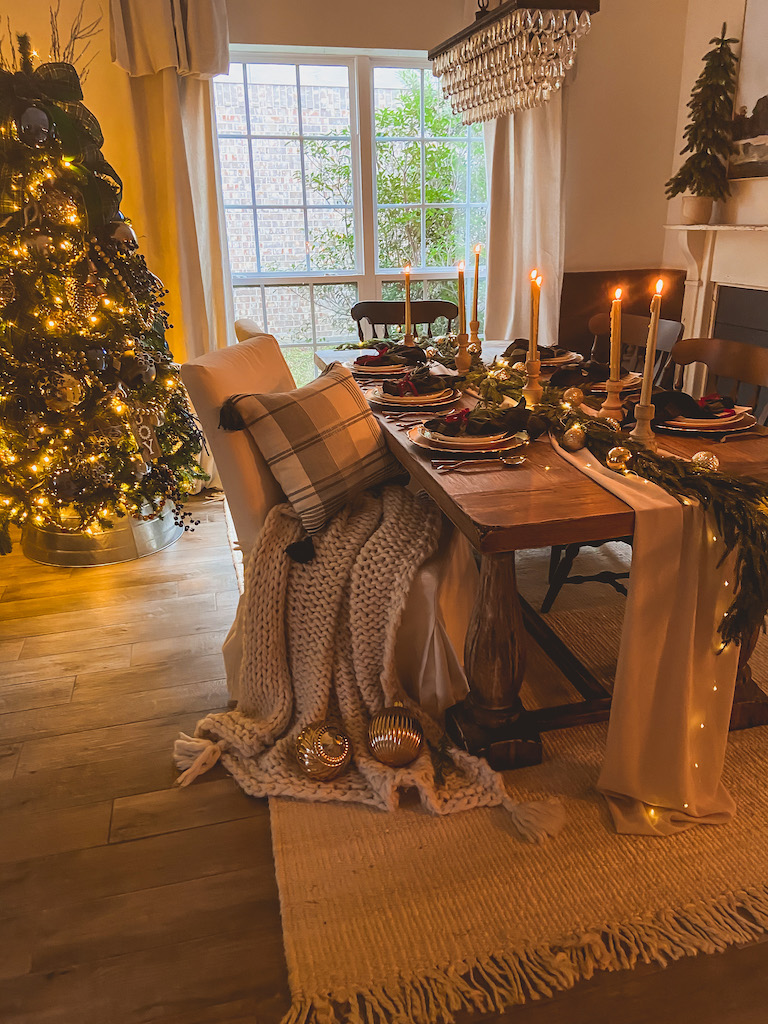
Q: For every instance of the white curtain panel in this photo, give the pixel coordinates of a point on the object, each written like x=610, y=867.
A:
x=526, y=216
x=524, y=160
x=171, y=49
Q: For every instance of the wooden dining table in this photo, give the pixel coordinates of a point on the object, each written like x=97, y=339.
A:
x=542, y=502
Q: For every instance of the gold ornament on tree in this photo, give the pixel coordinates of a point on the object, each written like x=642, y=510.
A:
x=395, y=736
x=617, y=459
x=706, y=460
x=323, y=751
x=7, y=290
x=574, y=438
x=82, y=297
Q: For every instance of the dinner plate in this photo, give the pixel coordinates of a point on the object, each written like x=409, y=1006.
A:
x=444, y=397
x=745, y=423
x=630, y=382
x=740, y=411
x=416, y=436
x=567, y=357
x=466, y=441
x=379, y=371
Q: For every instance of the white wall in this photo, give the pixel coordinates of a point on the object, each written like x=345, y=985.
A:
x=738, y=258
x=394, y=25
x=622, y=118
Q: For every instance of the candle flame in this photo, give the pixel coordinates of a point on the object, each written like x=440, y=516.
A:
x=461, y=265
x=660, y=286
x=407, y=269
x=477, y=249
x=617, y=293
x=534, y=274
x=539, y=279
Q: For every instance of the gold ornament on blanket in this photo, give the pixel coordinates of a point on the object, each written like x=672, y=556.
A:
x=573, y=396
x=323, y=751
x=706, y=460
x=617, y=459
x=395, y=736
x=574, y=438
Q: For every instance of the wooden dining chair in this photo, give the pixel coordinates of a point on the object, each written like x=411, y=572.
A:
x=634, y=335
x=384, y=314
x=734, y=370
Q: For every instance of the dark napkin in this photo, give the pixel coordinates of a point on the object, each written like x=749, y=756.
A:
x=481, y=422
x=418, y=382
x=580, y=376
x=670, y=404
x=517, y=352
x=393, y=355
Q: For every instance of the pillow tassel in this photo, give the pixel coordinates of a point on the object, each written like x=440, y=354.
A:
x=230, y=417
x=301, y=550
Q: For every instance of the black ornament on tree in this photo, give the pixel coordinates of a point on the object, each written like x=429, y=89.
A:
x=64, y=485
x=96, y=359
x=34, y=127
x=137, y=368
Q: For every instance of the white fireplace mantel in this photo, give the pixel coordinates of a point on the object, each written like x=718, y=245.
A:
x=699, y=243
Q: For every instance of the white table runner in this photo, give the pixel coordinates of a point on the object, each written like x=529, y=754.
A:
x=673, y=692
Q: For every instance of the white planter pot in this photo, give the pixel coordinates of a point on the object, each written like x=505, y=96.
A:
x=697, y=209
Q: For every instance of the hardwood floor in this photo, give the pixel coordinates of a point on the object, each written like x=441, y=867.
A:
x=124, y=900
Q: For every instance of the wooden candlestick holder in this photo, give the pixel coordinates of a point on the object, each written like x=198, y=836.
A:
x=474, y=336
x=612, y=405
x=463, y=358
x=409, y=341
x=642, y=432
x=532, y=391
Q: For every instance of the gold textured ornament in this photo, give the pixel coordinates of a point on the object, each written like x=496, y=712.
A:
x=81, y=297
x=395, y=736
x=574, y=438
x=323, y=751
x=610, y=422
x=574, y=397
x=706, y=460
x=617, y=459
x=7, y=290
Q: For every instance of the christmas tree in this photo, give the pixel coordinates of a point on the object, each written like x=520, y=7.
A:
x=709, y=133
x=94, y=421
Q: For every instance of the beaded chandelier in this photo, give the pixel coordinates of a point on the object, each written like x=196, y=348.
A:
x=513, y=58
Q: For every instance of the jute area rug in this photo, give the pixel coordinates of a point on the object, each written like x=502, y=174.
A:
x=404, y=919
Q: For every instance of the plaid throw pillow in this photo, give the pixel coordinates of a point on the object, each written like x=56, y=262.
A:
x=321, y=441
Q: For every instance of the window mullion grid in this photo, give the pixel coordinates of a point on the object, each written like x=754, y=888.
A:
x=467, y=218
x=254, y=215
x=303, y=170
x=423, y=157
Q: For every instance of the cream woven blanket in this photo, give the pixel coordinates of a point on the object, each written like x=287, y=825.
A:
x=319, y=643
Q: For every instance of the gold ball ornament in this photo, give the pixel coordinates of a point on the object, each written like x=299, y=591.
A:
x=574, y=438
x=430, y=353
x=323, y=751
x=574, y=397
x=474, y=348
x=617, y=459
x=706, y=460
x=610, y=422
x=520, y=367
x=395, y=736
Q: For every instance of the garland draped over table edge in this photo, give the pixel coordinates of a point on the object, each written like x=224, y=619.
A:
x=738, y=505
x=504, y=979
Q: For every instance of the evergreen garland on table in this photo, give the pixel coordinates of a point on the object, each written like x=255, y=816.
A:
x=94, y=420
x=709, y=133
x=737, y=505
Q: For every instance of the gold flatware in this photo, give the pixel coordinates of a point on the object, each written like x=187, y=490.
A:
x=503, y=461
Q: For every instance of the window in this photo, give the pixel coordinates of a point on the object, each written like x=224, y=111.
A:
x=335, y=172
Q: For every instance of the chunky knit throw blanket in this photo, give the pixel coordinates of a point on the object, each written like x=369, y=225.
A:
x=319, y=643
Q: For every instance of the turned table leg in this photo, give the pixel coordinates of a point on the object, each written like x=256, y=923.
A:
x=750, y=704
x=491, y=721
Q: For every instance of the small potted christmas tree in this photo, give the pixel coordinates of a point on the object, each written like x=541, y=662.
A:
x=709, y=135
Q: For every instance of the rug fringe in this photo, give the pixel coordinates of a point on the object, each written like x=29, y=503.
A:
x=507, y=979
